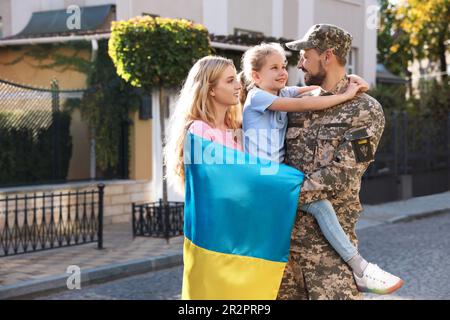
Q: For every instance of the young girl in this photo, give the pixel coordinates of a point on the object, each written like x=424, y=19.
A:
x=267, y=102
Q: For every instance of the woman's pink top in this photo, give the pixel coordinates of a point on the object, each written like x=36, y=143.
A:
x=225, y=137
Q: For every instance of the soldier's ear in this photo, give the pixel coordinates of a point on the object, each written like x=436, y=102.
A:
x=328, y=55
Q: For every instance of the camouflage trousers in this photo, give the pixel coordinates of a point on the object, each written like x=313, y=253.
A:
x=315, y=270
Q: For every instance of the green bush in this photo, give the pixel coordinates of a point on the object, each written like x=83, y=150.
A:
x=150, y=52
x=434, y=99
x=28, y=154
x=390, y=96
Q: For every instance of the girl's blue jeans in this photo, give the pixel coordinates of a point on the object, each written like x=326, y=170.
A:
x=325, y=216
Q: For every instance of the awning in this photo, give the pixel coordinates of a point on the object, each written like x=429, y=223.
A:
x=54, y=22
x=385, y=76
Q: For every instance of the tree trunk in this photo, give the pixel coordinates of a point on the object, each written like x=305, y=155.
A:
x=162, y=117
x=410, y=86
x=442, y=58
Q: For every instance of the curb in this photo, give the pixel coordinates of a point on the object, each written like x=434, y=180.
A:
x=52, y=284
x=404, y=218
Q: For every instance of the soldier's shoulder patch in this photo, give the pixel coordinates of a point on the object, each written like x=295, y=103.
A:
x=363, y=150
x=361, y=145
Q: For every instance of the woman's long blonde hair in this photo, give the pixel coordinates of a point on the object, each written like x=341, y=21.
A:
x=194, y=103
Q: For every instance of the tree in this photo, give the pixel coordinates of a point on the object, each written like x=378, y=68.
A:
x=394, y=49
x=157, y=53
x=427, y=23
x=419, y=29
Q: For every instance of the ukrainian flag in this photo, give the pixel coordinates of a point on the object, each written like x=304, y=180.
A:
x=238, y=222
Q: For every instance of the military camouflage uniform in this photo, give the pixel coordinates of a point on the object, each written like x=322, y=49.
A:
x=333, y=148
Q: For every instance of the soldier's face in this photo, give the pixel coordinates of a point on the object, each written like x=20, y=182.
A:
x=273, y=74
x=310, y=62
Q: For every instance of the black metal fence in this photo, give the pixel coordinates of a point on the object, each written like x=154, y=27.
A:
x=33, y=223
x=158, y=219
x=414, y=153
x=35, y=137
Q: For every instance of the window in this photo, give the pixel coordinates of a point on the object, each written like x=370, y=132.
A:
x=351, y=61
x=240, y=32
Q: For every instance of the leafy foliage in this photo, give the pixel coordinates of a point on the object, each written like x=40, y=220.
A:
x=411, y=30
x=150, y=52
x=105, y=107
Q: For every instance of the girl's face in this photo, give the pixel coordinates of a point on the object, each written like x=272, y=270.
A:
x=226, y=91
x=273, y=75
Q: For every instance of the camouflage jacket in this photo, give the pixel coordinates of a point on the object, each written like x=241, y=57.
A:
x=334, y=147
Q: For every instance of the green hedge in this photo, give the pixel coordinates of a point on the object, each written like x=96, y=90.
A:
x=151, y=52
x=27, y=154
x=432, y=98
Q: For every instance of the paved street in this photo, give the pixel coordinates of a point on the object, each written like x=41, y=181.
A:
x=417, y=250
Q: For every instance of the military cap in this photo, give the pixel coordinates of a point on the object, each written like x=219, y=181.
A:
x=323, y=37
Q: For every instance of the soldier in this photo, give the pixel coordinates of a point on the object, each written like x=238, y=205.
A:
x=333, y=148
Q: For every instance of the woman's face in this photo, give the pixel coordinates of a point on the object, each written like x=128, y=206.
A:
x=227, y=89
x=273, y=75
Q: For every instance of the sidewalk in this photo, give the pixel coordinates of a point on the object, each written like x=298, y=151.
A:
x=404, y=210
x=123, y=256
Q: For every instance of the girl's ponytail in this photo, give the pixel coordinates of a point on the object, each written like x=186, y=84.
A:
x=244, y=87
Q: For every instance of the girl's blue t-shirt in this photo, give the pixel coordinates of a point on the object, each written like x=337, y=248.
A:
x=264, y=129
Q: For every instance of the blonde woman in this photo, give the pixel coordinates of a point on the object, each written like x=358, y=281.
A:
x=208, y=106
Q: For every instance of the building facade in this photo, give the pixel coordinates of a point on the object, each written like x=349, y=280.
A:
x=278, y=18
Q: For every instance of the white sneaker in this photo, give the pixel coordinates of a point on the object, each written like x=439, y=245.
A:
x=376, y=280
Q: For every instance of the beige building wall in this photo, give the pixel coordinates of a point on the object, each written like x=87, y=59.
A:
x=254, y=15
x=80, y=161
x=290, y=19
x=27, y=71
x=140, y=148
x=5, y=13
x=188, y=9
